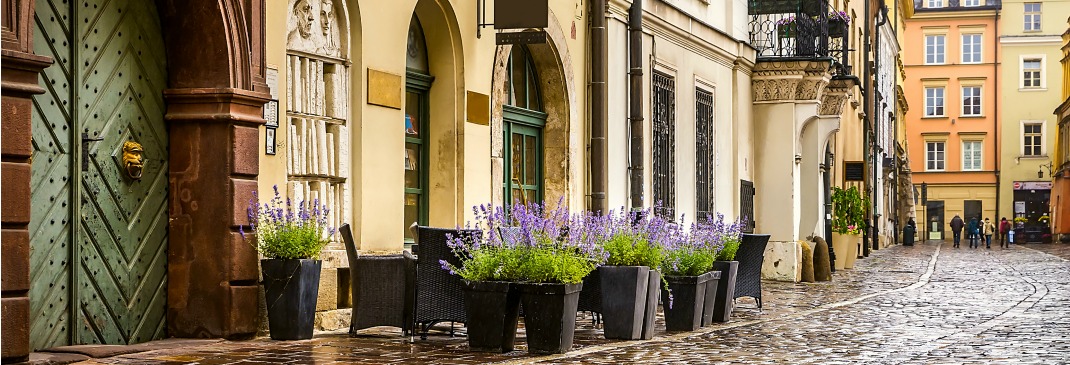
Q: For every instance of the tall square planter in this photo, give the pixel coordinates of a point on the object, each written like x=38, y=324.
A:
x=683, y=309
x=624, y=294
x=291, y=288
x=710, y=298
x=846, y=248
x=492, y=309
x=652, y=294
x=726, y=290
x=549, y=316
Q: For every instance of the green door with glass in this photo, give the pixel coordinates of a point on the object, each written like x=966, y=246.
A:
x=98, y=229
x=523, y=122
x=417, y=114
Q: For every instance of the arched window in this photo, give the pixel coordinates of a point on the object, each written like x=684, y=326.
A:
x=523, y=123
x=417, y=89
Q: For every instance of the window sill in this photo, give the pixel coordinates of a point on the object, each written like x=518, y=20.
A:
x=972, y=116
x=1033, y=157
x=1032, y=89
x=934, y=117
x=936, y=64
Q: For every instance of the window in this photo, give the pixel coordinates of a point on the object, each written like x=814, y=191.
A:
x=417, y=112
x=971, y=155
x=971, y=101
x=1032, y=17
x=1031, y=69
x=971, y=48
x=934, y=156
x=934, y=4
x=971, y=3
x=934, y=102
x=1033, y=139
x=704, y=148
x=934, y=49
x=523, y=122
x=664, y=143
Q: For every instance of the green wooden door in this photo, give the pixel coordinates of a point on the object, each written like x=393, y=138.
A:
x=523, y=155
x=98, y=237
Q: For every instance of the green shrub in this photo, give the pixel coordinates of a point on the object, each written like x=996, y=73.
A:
x=288, y=231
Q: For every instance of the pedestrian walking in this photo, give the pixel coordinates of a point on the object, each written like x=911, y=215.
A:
x=989, y=230
x=1004, y=227
x=972, y=229
x=956, y=229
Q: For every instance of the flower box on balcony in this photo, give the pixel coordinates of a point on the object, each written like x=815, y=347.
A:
x=786, y=30
x=808, y=7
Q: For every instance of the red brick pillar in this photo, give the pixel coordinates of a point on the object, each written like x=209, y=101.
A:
x=214, y=162
x=19, y=78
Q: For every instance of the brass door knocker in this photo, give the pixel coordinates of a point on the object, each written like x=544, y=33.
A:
x=133, y=161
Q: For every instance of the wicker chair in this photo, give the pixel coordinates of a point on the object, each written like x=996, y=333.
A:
x=377, y=285
x=439, y=295
x=751, y=255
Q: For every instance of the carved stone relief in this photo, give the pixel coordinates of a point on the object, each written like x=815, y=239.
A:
x=312, y=27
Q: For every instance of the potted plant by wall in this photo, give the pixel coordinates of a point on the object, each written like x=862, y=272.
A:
x=633, y=259
x=545, y=255
x=848, y=220
x=786, y=27
x=838, y=22
x=290, y=236
x=729, y=236
x=489, y=271
x=686, y=266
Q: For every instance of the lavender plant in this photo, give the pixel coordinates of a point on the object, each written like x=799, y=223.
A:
x=689, y=253
x=730, y=236
x=288, y=231
x=529, y=244
x=630, y=238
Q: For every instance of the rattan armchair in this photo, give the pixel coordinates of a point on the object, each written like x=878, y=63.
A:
x=439, y=295
x=377, y=285
x=751, y=255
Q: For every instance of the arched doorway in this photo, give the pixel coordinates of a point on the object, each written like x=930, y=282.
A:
x=523, y=122
x=418, y=81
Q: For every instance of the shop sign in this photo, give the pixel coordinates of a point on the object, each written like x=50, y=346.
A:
x=1019, y=207
x=1032, y=185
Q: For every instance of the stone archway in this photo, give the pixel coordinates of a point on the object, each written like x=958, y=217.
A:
x=554, y=67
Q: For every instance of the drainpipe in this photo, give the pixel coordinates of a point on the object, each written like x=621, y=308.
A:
x=877, y=123
x=635, y=61
x=867, y=93
x=995, y=118
x=599, y=108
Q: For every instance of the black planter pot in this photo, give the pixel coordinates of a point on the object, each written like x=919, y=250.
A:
x=710, y=298
x=726, y=290
x=549, y=316
x=652, y=291
x=683, y=310
x=291, y=288
x=624, y=290
x=492, y=309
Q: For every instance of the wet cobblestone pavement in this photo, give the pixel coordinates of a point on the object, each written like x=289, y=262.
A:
x=928, y=304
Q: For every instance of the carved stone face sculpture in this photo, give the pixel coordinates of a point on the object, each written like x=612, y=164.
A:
x=326, y=13
x=305, y=17
x=133, y=161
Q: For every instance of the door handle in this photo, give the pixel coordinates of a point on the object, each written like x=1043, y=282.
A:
x=85, y=149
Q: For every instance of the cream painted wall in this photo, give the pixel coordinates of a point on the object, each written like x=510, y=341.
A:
x=699, y=57
x=460, y=62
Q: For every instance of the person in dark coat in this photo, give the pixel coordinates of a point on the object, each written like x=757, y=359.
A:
x=972, y=232
x=1004, y=227
x=956, y=228
x=909, y=231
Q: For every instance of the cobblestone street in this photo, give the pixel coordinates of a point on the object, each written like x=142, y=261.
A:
x=928, y=304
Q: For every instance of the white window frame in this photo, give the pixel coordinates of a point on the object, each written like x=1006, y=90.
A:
x=932, y=4
x=938, y=101
x=978, y=163
x=1021, y=72
x=971, y=3
x=979, y=98
x=1030, y=18
x=937, y=51
x=976, y=54
x=1043, y=137
x=931, y=155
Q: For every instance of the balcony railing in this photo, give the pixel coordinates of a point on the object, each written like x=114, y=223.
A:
x=800, y=29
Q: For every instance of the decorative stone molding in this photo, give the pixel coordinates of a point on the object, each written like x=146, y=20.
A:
x=790, y=80
x=836, y=95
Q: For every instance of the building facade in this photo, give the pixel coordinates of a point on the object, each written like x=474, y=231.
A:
x=1060, y=198
x=953, y=82
x=1030, y=38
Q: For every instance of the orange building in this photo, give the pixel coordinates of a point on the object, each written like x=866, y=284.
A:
x=950, y=52
x=1060, y=198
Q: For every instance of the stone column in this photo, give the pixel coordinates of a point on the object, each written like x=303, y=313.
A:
x=19, y=78
x=212, y=270
x=786, y=98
